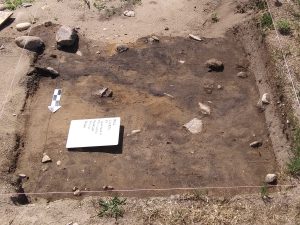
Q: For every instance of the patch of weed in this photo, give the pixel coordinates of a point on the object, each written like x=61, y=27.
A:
x=111, y=208
x=284, y=27
x=266, y=21
x=294, y=164
x=13, y=4
x=215, y=18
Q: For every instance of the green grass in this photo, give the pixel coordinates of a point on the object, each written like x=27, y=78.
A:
x=264, y=191
x=294, y=164
x=284, y=27
x=13, y=4
x=111, y=208
x=266, y=21
x=215, y=18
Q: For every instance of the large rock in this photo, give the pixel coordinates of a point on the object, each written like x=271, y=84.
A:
x=23, y=26
x=31, y=43
x=66, y=36
x=214, y=65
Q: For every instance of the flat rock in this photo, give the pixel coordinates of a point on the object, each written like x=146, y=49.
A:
x=30, y=43
x=23, y=26
x=194, y=37
x=46, y=158
x=66, y=36
x=43, y=71
x=205, y=109
x=214, y=65
x=195, y=126
x=242, y=75
x=271, y=178
x=255, y=144
x=129, y=13
x=265, y=99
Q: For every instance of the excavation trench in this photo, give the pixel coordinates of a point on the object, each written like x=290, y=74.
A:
x=156, y=89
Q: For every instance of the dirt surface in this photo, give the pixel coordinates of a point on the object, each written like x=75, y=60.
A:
x=156, y=88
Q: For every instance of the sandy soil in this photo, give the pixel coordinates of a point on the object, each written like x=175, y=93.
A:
x=224, y=142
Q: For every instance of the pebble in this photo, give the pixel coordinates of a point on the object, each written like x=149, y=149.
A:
x=58, y=163
x=79, y=53
x=242, y=75
x=219, y=87
x=195, y=126
x=194, y=37
x=77, y=192
x=48, y=24
x=256, y=144
x=2, y=47
x=46, y=158
x=129, y=13
x=167, y=28
x=205, y=109
x=26, y=5
x=108, y=188
x=122, y=48
x=134, y=132
x=23, y=26
x=214, y=65
x=23, y=176
x=271, y=178
x=265, y=98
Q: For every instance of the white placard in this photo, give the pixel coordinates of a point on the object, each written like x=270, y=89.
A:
x=94, y=132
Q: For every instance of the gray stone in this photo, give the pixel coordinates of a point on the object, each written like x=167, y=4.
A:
x=214, y=65
x=256, y=144
x=271, y=178
x=122, y=48
x=30, y=43
x=242, y=75
x=195, y=126
x=66, y=36
x=129, y=13
x=46, y=158
x=23, y=26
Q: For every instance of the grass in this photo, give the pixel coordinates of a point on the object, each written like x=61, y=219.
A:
x=111, y=208
x=294, y=164
x=284, y=27
x=133, y=2
x=266, y=21
x=13, y=4
x=215, y=18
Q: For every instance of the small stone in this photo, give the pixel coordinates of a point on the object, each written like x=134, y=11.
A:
x=122, y=48
x=75, y=188
x=134, y=132
x=46, y=158
x=107, y=188
x=2, y=47
x=58, y=163
x=166, y=28
x=104, y=92
x=79, y=53
x=23, y=26
x=181, y=61
x=129, y=13
x=194, y=37
x=26, y=5
x=265, y=98
x=271, y=178
x=98, y=52
x=30, y=43
x=153, y=39
x=2, y=7
x=77, y=192
x=22, y=176
x=48, y=24
x=195, y=126
x=214, y=65
x=205, y=109
x=66, y=36
x=14, y=114
x=256, y=144
x=242, y=75
x=219, y=87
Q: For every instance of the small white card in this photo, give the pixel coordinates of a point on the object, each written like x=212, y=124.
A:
x=94, y=132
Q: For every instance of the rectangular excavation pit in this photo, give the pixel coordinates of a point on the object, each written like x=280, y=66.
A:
x=156, y=89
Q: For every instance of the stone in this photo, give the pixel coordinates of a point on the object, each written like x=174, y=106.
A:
x=153, y=39
x=104, y=92
x=214, y=65
x=195, y=126
x=134, y=132
x=77, y=192
x=30, y=43
x=2, y=47
x=271, y=178
x=26, y=5
x=278, y=3
x=167, y=28
x=194, y=37
x=265, y=99
x=79, y=53
x=2, y=7
x=23, y=26
x=22, y=176
x=48, y=24
x=205, y=109
x=242, y=74
x=107, y=188
x=46, y=158
x=66, y=36
x=129, y=13
x=58, y=163
x=255, y=144
x=122, y=48
x=43, y=72
x=219, y=87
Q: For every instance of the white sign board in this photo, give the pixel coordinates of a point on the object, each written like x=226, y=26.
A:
x=94, y=132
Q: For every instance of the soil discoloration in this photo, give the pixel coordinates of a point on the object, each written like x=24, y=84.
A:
x=157, y=156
